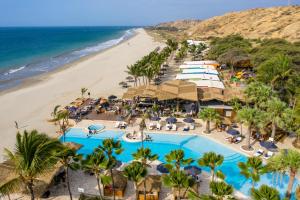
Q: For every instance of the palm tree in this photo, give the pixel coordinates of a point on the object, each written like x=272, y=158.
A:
x=110, y=149
x=83, y=91
x=290, y=121
x=265, y=192
x=248, y=116
x=62, y=118
x=221, y=190
x=69, y=159
x=274, y=109
x=286, y=160
x=258, y=93
x=208, y=114
x=54, y=113
x=33, y=156
x=176, y=158
x=211, y=160
x=135, y=172
x=178, y=180
x=133, y=70
x=96, y=163
x=252, y=169
x=145, y=155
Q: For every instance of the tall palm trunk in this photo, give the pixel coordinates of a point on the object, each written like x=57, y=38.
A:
x=113, y=184
x=291, y=183
x=178, y=197
x=30, y=187
x=135, y=81
x=136, y=191
x=144, y=182
x=207, y=126
x=273, y=130
x=212, y=171
x=99, y=188
x=249, y=137
x=68, y=182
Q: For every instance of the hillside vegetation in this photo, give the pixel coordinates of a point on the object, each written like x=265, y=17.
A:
x=262, y=23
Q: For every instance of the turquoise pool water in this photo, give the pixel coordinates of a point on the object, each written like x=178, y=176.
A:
x=194, y=147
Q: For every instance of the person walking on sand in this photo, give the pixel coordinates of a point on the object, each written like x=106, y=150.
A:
x=16, y=125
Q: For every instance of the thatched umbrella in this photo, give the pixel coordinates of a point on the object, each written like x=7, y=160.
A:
x=41, y=184
x=73, y=145
x=120, y=181
x=153, y=184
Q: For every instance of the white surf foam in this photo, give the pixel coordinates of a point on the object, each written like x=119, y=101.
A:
x=11, y=71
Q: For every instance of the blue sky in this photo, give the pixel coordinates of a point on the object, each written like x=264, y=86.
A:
x=118, y=12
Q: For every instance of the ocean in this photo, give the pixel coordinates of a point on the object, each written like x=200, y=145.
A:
x=30, y=51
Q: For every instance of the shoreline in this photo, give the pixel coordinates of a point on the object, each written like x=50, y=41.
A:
x=36, y=79
x=31, y=103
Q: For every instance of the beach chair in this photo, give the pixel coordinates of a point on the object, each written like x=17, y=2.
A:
x=174, y=127
x=258, y=153
x=192, y=127
x=123, y=125
x=151, y=125
x=186, y=128
x=158, y=126
x=117, y=125
x=168, y=127
x=268, y=155
x=238, y=140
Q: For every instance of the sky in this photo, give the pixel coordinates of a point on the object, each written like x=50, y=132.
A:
x=118, y=12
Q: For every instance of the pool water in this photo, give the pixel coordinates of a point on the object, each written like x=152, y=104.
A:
x=193, y=146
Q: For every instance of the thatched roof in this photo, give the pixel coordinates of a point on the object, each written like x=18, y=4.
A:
x=41, y=184
x=178, y=89
x=174, y=89
x=73, y=145
x=120, y=180
x=224, y=95
x=153, y=184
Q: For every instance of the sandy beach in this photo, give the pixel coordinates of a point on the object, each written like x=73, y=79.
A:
x=31, y=105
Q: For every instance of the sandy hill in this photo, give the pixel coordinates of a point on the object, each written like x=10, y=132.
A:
x=275, y=22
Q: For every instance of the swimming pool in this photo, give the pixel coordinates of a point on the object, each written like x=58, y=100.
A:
x=194, y=147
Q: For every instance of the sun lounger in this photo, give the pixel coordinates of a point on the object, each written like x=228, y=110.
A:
x=186, y=128
x=168, y=127
x=117, y=125
x=258, y=153
x=151, y=126
x=192, y=126
x=158, y=126
x=268, y=155
x=237, y=140
x=174, y=127
x=123, y=125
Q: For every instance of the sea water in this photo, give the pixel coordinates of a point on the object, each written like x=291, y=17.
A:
x=30, y=51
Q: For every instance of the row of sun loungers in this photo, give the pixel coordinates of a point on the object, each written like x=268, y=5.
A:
x=121, y=125
x=169, y=127
x=261, y=152
x=234, y=140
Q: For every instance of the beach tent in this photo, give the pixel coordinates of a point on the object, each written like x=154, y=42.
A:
x=196, y=67
x=209, y=83
x=200, y=71
x=212, y=77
